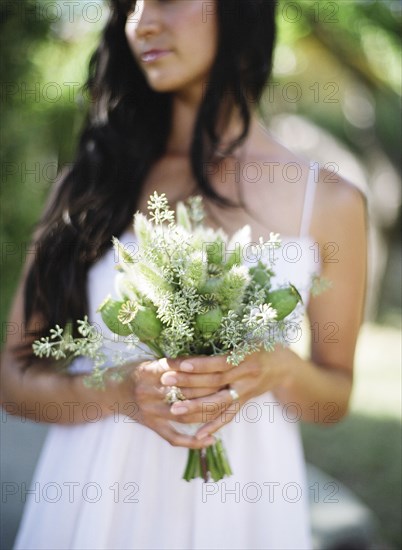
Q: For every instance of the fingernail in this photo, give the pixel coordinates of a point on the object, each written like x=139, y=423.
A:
x=163, y=363
x=210, y=441
x=186, y=366
x=178, y=410
x=169, y=380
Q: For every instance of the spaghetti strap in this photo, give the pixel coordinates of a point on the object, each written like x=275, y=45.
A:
x=308, y=201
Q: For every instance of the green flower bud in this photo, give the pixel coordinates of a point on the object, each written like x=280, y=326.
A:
x=261, y=275
x=109, y=310
x=284, y=300
x=211, y=286
x=209, y=322
x=215, y=251
x=146, y=324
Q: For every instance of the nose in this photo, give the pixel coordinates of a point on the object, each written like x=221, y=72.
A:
x=147, y=16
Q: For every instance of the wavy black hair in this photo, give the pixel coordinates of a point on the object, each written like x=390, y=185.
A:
x=125, y=131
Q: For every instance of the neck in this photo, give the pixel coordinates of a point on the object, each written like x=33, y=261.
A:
x=184, y=113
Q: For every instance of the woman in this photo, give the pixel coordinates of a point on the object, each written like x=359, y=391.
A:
x=175, y=86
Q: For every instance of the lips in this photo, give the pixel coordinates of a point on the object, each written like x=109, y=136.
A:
x=153, y=55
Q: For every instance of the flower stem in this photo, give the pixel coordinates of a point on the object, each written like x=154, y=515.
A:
x=189, y=471
x=207, y=463
x=223, y=458
x=213, y=465
x=155, y=348
x=204, y=464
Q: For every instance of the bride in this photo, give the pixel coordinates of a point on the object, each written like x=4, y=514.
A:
x=174, y=88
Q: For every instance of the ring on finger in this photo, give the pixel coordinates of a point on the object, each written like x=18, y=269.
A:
x=174, y=394
x=233, y=394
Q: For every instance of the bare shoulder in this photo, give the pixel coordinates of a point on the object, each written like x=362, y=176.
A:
x=265, y=147
x=340, y=206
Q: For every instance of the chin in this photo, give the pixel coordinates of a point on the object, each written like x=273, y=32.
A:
x=161, y=86
x=164, y=85
x=171, y=83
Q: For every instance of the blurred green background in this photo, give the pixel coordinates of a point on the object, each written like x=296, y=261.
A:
x=334, y=97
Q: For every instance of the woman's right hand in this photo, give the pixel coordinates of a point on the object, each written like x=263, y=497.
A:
x=141, y=396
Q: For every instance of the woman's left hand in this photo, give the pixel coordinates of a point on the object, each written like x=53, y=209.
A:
x=260, y=372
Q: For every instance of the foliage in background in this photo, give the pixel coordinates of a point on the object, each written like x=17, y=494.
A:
x=337, y=79
x=43, y=65
x=346, y=57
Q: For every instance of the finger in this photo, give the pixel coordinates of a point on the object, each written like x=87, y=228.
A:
x=180, y=440
x=211, y=427
x=243, y=370
x=167, y=364
x=158, y=407
x=181, y=379
x=206, y=408
x=199, y=364
x=193, y=393
x=188, y=393
x=229, y=409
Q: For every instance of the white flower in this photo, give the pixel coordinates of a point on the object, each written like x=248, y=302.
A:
x=274, y=240
x=157, y=201
x=56, y=332
x=242, y=237
x=265, y=249
x=158, y=207
x=263, y=314
x=127, y=312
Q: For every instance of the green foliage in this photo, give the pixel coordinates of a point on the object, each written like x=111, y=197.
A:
x=43, y=69
x=333, y=51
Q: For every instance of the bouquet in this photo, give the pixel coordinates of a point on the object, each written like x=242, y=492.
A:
x=185, y=292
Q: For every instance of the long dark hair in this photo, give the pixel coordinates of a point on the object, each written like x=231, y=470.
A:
x=124, y=133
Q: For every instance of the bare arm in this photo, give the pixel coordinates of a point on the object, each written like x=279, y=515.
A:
x=29, y=393
x=322, y=386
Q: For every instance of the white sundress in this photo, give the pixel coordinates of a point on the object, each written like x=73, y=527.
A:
x=115, y=484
